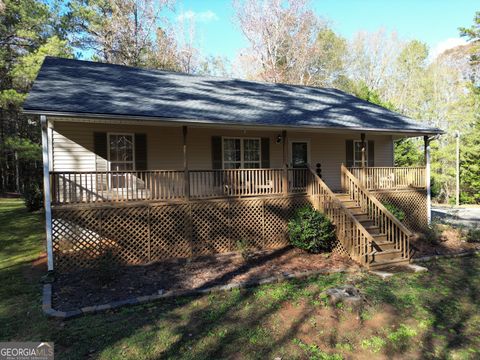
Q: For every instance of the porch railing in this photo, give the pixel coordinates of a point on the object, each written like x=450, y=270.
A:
x=75, y=187
x=389, y=225
x=115, y=186
x=351, y=234
x=383, y=178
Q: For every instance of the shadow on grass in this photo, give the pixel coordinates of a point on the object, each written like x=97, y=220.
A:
x=444, y=302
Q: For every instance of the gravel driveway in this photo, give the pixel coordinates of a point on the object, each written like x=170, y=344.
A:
x=467, y=216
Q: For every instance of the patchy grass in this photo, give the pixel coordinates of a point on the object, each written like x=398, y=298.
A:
x=430, y=315
x=18, y=224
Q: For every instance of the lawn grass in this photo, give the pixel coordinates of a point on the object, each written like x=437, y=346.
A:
x=411, y=316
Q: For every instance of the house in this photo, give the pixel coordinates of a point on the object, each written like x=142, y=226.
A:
x=149, y=164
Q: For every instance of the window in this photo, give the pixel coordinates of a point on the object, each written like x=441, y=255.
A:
x=121, y=154
x=357, y=153
x=241, y=153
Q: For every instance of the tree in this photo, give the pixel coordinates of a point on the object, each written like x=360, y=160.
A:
x=408, y=73
x=371, y=59
x=409, y=152
x=215, y=66
x=328, y=64
x=164, y=56
x=28, y=33
x=119, y=31
x=282, y=38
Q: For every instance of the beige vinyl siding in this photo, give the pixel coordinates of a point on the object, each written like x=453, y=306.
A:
x=164, y=145
x=73, y=147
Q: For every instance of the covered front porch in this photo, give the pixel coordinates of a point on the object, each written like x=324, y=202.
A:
x=97, y=161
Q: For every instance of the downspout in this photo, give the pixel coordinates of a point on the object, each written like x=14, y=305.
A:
x=46, y=190
x=426, y=141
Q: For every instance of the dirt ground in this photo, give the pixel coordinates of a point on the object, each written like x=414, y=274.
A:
x=449, y=241
x=96, y=287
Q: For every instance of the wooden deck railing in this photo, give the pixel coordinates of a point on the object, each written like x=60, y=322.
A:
x=73, y=187
x=380, y=178
x=389, y=225
x=115, y=186
x=354, y=238
x=236, y=182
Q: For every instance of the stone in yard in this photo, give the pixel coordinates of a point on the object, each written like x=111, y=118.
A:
x=347, y=294
x=383, y=274
x=417, y=268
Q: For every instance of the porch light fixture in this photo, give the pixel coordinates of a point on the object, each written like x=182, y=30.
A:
x=279, y=139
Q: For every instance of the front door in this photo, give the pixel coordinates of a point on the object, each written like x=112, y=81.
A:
x=299, y=160
x=299, y=153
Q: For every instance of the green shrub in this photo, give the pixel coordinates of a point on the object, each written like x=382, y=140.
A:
x=397, y=212
x=311, y=231
x=243, y=246
x=433, y=233
x=33, y=197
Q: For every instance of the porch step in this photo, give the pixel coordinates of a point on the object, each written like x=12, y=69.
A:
x=349, y=203
x=343, y=196
x=366, y=222
x=392, y=254
x=388, y=263
x=362, y=217
x=383, y=245
x=355, y=210
x=380, y=238
x=372, y=229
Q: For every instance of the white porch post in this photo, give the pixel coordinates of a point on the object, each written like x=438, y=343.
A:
x=46, y=190
x=426, y=141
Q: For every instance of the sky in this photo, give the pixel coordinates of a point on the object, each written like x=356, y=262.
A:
x=434, y=22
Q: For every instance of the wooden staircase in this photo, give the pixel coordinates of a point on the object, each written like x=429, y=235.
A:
x=382, y=252
x=365, y=229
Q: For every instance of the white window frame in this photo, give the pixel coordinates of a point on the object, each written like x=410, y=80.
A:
x=290, y=149
x=358, y=163
x=133, y=149
x=242, y=155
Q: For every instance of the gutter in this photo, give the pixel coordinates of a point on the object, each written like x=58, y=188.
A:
x=178, y=121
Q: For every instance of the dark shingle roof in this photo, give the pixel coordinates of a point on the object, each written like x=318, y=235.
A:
x=84, y=87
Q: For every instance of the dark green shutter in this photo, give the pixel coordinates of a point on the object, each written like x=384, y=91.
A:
x=100, y=144
x=349, y=153
x=140, y=151
x=216, y=152
x=265, y=153
x=371, y=153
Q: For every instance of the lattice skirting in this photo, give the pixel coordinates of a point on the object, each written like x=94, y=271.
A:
x=412, y=202
x=140, y=234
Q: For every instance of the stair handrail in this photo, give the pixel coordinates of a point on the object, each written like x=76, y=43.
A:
x=376, y=210
x=358, y=250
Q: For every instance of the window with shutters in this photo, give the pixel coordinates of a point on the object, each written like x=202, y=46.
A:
x=241, y=153
x=121, y=151
x=357, y=153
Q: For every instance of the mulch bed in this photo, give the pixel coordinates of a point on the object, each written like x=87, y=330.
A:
x=450, y=242
x=87, y=288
